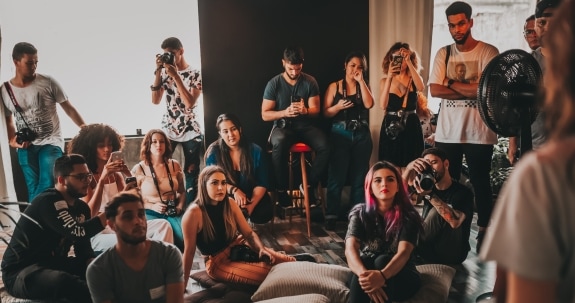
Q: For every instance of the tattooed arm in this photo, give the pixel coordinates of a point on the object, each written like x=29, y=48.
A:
x=453, y=217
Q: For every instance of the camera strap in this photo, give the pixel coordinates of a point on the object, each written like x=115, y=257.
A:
x=344, y=94
x=154, y=176
x=15, y=103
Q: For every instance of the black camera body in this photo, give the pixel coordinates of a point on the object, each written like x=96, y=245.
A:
x=427, y=179
x=283, y=123
x=168, y=57
x=171, y=210
x=25, y=134
x=352, y=125
x=243, y=253
x=394, y=129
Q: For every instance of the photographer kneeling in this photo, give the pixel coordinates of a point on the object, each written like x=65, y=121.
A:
x=447, y=209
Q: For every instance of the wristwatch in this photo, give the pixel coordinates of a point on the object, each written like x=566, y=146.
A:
x=450, y=82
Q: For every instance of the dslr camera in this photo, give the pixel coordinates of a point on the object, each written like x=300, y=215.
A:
x=243, y=253
x=394, y=129
x=283, y=123
x=427, y=178
x=171, y=210
x=352, y=125
x=168, y=57
x=26, y=134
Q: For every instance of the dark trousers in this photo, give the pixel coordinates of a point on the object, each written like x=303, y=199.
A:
x=283, y=138
x=399, y=287
x=191, y=150
x=65, y=279
x=349, y=159
x=478, y=157
x=439, y=243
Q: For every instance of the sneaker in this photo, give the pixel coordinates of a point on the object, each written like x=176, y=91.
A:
x=313, y=199
x=305, y=258
x=480, y=236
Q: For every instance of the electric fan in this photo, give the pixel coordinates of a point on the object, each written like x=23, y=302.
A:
x=506, y=95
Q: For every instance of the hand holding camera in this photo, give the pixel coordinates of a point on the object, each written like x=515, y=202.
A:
x=425, y=175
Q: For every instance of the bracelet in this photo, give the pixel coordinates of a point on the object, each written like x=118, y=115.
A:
x=384, y=278
x=155, y=88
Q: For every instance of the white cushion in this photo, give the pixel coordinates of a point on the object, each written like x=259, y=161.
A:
x=309, y=298
x=435, y=283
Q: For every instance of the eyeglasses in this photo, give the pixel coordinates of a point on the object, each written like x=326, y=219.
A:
x=529, y=32
x=82, y=177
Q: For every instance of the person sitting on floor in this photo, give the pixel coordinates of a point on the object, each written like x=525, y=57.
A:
x=245, y=168
x=380, y=239
x=447, y=209
x=36, y=264
x=137, y=269
x=215, y=223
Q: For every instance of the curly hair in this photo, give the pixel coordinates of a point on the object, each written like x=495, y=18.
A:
x=86, y=142
x=145, y=154
x=414, y=57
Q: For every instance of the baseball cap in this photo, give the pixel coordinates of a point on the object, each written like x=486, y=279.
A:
x=544, y=4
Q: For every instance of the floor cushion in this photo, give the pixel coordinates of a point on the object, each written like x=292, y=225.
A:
x=435, y=282
x=309, y=298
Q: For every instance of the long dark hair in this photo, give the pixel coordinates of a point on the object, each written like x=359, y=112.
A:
x=86, y=142
x=222, y=151
x=402, y=209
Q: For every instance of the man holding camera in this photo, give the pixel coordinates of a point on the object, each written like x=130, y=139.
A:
x=183, y=86
x=30, y=98
x=291, y=100
x=447, y=209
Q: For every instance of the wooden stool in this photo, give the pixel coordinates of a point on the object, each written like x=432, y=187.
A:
x=302, y=149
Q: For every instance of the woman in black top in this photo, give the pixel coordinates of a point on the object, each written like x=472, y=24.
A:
x=215, y=223
x=347, y=102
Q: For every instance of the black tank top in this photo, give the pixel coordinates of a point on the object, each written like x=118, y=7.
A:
x=357, y=112
x=216, y=214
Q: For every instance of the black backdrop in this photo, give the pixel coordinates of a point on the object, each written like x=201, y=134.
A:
x=242, y=43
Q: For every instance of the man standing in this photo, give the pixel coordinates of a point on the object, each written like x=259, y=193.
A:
x=460, y=129
x=291, y=100
x=183, y=86
x=447, y=209
x=136, y=269
x=530, y=34
x=31, y=99
x=36, y=264
x=543, y=17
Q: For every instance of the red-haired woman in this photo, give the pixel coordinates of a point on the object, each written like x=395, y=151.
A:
x=380, y=239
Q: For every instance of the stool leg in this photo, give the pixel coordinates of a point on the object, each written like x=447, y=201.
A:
x=305, y=194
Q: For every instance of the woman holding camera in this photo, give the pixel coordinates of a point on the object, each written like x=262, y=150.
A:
x=215, y=224
x=160, y=179
x=245, y=168
x=401, y=137
x=97, y=143
x=347, y=103
x=380, y=239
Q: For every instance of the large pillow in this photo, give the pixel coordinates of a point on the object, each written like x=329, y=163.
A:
x=298, y=278
x=309, y=298
x=435, y=283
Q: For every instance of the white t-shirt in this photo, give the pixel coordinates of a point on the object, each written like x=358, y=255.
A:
x=532, y=232
x=459, y=120
x=38, y=102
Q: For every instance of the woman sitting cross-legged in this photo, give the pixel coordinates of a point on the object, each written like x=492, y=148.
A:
x=160, y=179
x=96, y=142
x=215, y=224
x=380, y=239
x=245, y=169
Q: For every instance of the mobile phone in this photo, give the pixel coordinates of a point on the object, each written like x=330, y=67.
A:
x=117, y=155
x=396, y=60
x=296, y=99
x=130, y=179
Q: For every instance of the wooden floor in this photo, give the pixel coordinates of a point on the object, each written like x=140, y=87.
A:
x=472, y=278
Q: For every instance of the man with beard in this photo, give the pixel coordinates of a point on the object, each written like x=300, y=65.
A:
x=136, y=269
x=543, y=17
x=460, y=129
x=291, y=100
x=36, y=264
x=447, y=210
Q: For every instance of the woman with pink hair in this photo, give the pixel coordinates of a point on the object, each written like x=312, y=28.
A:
x=380, y=239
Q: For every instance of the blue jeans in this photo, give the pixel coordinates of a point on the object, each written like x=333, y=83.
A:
x=175, y=222
x=349, y=160
x=191, y=149
x=37, y=163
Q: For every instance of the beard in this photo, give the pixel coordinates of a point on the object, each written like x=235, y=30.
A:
x=463, y=39
x=74, y=193
x=129, y=239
